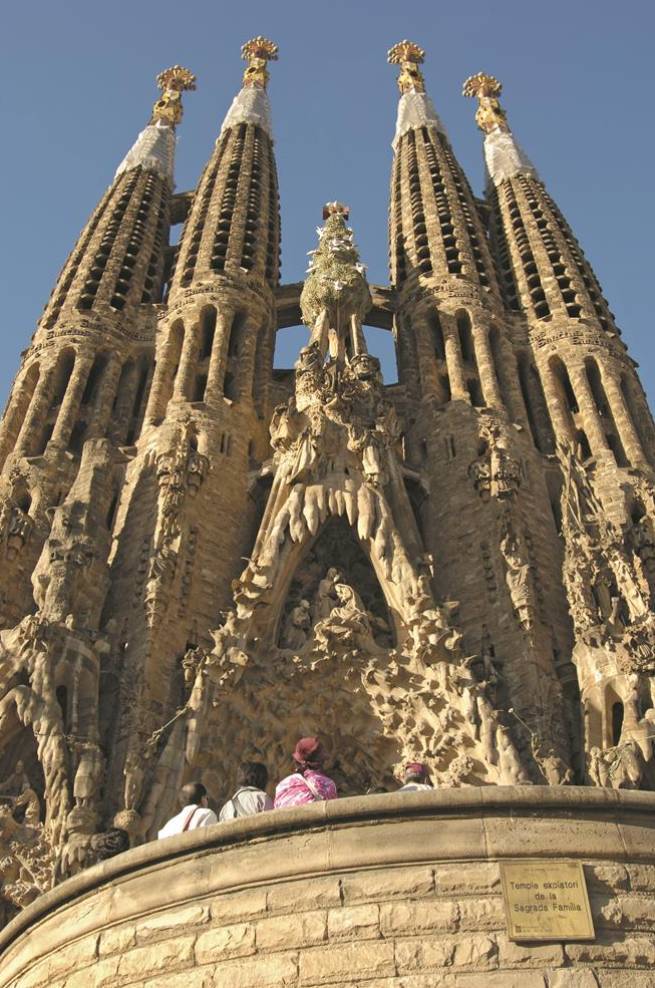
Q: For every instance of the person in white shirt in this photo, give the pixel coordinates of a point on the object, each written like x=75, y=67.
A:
x=195, y=811
x=415, y=777
x=251, y=796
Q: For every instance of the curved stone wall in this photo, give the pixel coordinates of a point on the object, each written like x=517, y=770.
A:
x=392, y=890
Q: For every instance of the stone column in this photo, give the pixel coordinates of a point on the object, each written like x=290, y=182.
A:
x=244, y=365
x=218, y=359
x=427, y=358
x=166, y=359
x=70, y=406
x=188, y=363
x=622, y=417
x=454, y=362
x=37, y=412
x=486, y=367
x=123, y=412
x=102, y=405
x=560, y=414
x=591, y=420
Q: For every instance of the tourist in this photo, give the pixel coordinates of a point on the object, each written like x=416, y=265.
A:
x=195, y=811
x=109, y=843
x=415, y=777
x=307, y=784
x=251, y=796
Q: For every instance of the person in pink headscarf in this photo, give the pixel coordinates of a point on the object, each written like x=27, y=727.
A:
x=308, y=784
x=415, y=778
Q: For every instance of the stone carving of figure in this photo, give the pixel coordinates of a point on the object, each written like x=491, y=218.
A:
x=297, y=627
x=326, y=596
x=496, y=473
x=512, y=772
x=517, y=576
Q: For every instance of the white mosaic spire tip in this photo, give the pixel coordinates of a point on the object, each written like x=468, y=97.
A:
x=415, y=110
x=505, y=158
x=250, y=105
x=153, y=150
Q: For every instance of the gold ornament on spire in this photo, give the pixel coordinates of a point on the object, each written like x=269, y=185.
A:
x=257, y=52
x=489, y=115
x=172, y=82
x=409, y=56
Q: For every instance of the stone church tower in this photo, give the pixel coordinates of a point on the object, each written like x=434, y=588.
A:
x=204, y=558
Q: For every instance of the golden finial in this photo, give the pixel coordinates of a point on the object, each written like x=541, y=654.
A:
x=409, y=56
x=172, y=82
x=335, y=209
x=257, y=52
x=489, y=115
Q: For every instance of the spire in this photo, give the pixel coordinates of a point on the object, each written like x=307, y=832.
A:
x=415, y=108
x=503, y=155
x=251, y=104
x=154, y=148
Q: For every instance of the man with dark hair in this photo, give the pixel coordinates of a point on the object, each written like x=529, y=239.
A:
x=251, y=796
x=195, y=811
x=415, y=777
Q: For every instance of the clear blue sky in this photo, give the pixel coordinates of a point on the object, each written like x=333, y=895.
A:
x=78, y=84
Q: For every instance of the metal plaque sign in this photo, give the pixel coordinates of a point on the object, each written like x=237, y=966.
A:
x=546, y=900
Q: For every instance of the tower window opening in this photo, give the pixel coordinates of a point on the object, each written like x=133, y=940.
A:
x=567, y=394
x=475, y=392
x=76, y=440
x=535, y=404
x=582, y=441
x=380, y=343
x=111, y=512
x=199, y=387
x=617, y=722
x=444, y=383
x=465, y=337
x=94, y=379
x=208, y=329
x=437, y=335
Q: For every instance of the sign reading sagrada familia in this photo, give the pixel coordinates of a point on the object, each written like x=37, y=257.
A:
x=205, y=558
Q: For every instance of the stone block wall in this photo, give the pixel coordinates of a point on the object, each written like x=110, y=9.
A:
x=382, y=891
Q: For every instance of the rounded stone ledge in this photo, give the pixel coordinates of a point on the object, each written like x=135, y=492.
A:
x=281, y=895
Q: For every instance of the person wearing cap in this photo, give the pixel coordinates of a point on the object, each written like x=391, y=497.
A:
x=308, y=784
x=195, y=811
x=415, y=777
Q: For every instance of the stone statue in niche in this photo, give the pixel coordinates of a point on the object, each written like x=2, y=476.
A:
x=517, y=574
x=297, y=626
x=495, y=473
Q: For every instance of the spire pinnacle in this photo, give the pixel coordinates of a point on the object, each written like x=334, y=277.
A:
x=489, y=115
x=415, y=108
x=503, y=155
x=409, y=56
x=251, y=105
x=154, y=148
x=172, y=82
x=257, y=52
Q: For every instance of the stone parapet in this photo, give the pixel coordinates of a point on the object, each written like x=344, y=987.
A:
x=388, y=890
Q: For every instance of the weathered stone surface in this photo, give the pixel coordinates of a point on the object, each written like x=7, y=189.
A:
x=332, y=965
x=142, y=962
x=414, y=917
x=300, y=929
x=354, y=922
x=169, y=924
x=224, y=942
x=375, y=885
